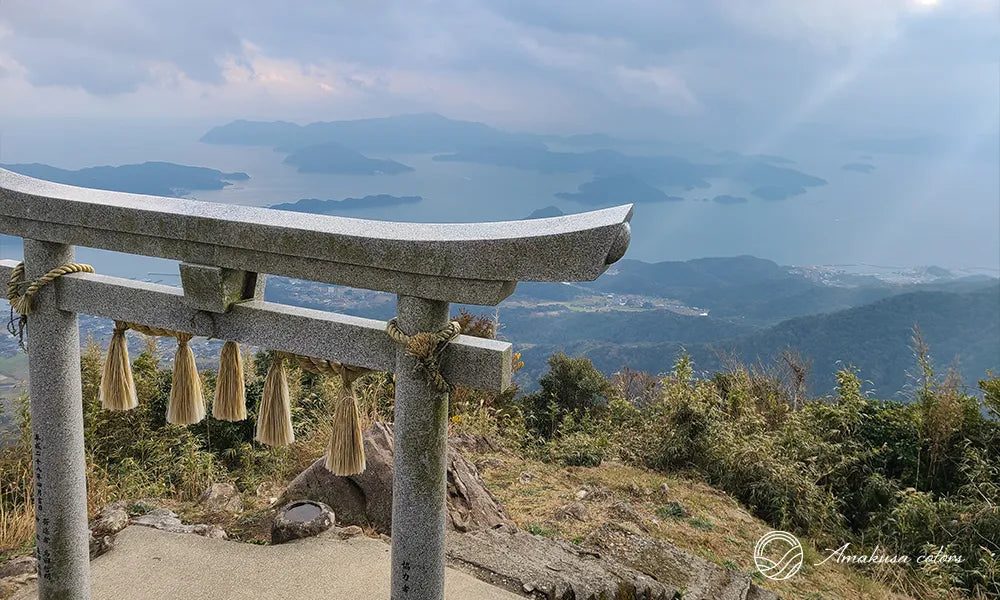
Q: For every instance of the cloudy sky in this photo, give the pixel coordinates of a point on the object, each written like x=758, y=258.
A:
x=712, y=68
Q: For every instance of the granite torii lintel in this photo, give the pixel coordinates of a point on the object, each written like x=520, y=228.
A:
x=226, y=251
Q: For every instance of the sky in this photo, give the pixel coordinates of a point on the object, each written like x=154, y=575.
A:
x=723, y=71
x=916, y=83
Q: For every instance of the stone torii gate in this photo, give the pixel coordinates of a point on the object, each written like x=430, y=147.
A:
x=225, y=251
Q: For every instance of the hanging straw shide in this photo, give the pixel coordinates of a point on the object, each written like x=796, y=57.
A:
x=230, y=389
x=117, y=390
x=346, y=454
x=186, y=406
x=274, y=421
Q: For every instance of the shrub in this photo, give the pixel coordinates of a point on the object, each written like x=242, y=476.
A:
x=572, y=386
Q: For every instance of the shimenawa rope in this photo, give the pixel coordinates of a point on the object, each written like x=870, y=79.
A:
x=346, y=452
x=426, y=347
x=23, y=303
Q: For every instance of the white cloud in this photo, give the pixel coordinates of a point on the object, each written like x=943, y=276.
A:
x=582, y=64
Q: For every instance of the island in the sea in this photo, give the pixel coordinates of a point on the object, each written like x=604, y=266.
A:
x=337, y=159
x=615, y=189
x=154, y=178
x=315, y=206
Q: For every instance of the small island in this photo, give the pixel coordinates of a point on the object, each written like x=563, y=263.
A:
x=315, y=206
x=616, y=189
x=336, y=159
x=154, y=178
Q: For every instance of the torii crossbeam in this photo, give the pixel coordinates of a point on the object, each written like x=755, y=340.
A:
x=224, y=251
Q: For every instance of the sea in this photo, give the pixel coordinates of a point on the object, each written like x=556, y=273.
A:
x=911, y=210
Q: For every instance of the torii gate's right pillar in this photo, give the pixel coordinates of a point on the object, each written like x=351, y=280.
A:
x=420, y=446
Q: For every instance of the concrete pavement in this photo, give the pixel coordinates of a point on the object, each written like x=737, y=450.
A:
x=149, y=564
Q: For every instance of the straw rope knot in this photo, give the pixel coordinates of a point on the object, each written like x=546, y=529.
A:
x=321, y=366
x=22, y=297
x=157, y=331
x=427, y=347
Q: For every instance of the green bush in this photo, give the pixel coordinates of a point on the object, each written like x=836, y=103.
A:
x=571, y=387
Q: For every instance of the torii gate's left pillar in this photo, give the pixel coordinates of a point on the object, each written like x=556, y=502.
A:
x=57, y=435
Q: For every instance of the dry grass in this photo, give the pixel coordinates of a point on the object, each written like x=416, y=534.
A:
x=17, y=518
x=692, y=516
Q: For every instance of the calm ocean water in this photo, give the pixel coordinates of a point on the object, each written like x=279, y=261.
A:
x=911, y=210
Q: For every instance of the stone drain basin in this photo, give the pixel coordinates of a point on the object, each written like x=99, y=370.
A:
x=300, y=519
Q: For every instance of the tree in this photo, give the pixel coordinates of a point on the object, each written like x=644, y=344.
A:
x=572, y=386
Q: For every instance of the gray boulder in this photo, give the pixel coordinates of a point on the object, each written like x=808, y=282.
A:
x=221, y=497
x=366, y=499
x=111, y=519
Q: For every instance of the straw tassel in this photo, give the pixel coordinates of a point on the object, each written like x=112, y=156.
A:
x=346, y=454
x=230, y=390
x=117, y=384
x=274, y=422
x=186, y=406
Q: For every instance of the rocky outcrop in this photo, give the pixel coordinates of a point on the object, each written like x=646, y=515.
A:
x=16, y=573
x=366, y=499
x=699, y=578
x=10, y=585
x=22, y=565
x=548, y=568
x=167, y=520
x=109, y=520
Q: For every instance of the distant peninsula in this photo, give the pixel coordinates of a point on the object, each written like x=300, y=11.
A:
x=344, y=147
x=334, y=158
x=154, y=178
x=410, y=134
x=332, y=207
x=727, y=199
x=617, y=189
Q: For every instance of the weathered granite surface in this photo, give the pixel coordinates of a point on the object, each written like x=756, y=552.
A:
x=21, y=565
x=109, y=520
x=365, y=499
x=699, y=578
x=548, y=568
x=167, y=520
